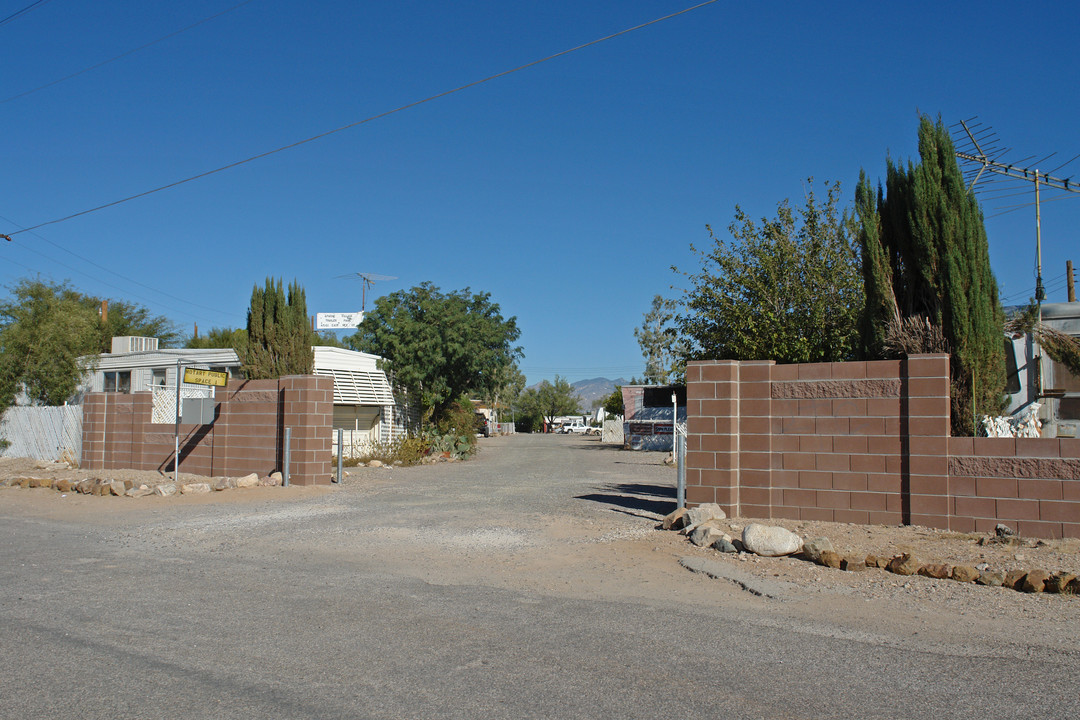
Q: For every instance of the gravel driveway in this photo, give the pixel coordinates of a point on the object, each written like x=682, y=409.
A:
x=530, y=581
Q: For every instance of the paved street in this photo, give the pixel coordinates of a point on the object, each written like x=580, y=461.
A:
x=528, y=582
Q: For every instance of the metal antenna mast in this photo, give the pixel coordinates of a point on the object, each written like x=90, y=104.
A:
x=990, y=160
x=984, y=162
x=368, y=279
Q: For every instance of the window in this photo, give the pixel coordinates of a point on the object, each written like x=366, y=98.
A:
x=1012, y=373
x=159, y=377
x=118, y=381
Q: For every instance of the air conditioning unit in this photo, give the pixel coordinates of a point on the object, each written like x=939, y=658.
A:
x=133, y=343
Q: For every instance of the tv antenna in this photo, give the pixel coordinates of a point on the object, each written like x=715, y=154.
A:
x=991, y=159
x=368, y=279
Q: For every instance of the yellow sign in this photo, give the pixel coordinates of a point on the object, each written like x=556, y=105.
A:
x=205, y=377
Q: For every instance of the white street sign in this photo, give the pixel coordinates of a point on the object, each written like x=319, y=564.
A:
x=338, y=321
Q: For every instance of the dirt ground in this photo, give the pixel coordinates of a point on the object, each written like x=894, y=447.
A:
x=927, y=544
x=647, y=558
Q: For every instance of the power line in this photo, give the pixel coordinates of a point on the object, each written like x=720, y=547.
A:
x=25, y=10
x=359, y=122
x=124, y=54
x=112, y=272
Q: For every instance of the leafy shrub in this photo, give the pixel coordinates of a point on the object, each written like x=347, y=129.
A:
x=456, y=446
x=404, y=450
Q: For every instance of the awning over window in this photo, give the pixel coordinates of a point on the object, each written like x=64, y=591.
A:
x=358, y=387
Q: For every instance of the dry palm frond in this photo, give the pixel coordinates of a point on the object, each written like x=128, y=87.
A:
x=913, y=336
x=1061, y=347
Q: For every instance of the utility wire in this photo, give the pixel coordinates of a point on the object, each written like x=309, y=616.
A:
x=358, y=122
x=25, y=10
x=111, y=271
x=124, y=54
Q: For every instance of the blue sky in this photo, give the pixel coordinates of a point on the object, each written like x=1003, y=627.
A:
x=567, y=190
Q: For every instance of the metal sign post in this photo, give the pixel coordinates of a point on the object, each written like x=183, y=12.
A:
x=176, y=435
x=193, y=376
x=678, y=449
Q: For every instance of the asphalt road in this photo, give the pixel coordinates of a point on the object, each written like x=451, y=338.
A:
x=526, y=583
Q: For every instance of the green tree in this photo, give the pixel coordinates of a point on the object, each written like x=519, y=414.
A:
x=221, y=338
x=661, y=345
x=439, y=346
x=44, y=329
x=127, y=318
x=508, y=383
x=279, y=333
x=540, y=404
x=925, y=256
x=327, y=338
x=613, y=403
x=788, y=290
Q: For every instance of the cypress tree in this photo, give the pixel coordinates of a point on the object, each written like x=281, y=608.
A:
x=279, y=334
x=925, y=254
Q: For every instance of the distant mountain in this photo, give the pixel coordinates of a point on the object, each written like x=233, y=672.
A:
x=592, y=392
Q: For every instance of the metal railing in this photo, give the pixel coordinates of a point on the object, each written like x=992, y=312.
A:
x=680, y=464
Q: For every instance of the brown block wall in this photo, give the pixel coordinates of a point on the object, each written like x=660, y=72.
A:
x=1030, y=484
x=865, y=442
x=247, y=434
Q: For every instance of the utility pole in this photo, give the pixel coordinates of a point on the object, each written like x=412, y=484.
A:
x=985, y=163
x=1070, y=281
x=1019, y=173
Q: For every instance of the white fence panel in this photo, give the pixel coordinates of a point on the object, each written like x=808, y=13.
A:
x=613, y=432
x=43, y=433
x=165, y=400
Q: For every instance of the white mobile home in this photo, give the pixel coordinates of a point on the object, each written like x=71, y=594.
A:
x=364, y=404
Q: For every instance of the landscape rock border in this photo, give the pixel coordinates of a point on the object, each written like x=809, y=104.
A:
x=820, y=551
x=105, y=487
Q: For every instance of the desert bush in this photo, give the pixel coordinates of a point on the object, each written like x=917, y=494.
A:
x=403, y=450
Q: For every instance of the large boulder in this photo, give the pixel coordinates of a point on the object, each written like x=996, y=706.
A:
x=702, y=513
x=1034, y=581
x=813, y=548
x=938, y=571
x=248, y=481
x=905, y=564
x=965, y=573
x=674, y=520
x=708, y=533
x=830, y=559
x=1059, y=582
x=770, y=540
x=195, y=488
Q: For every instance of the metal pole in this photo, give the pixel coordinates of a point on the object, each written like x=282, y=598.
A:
x=340, y=452
x=680, y=492
x=285, y=470
x=104, y=431
x=678, y=442
x=1040, y=293
x=176, y=438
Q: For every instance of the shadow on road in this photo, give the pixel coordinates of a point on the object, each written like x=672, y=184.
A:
x=659, y=499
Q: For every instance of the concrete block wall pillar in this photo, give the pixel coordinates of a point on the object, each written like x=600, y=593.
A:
x=925, y=408
x=712, y=460
x=756, y=493
x=308, y=412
